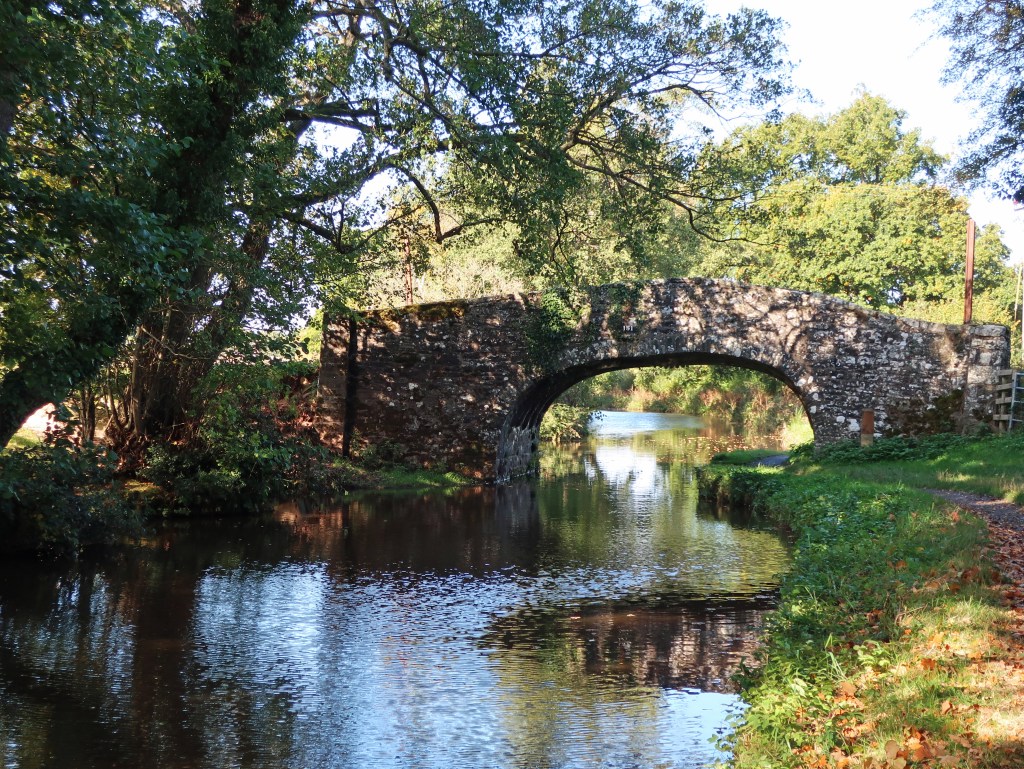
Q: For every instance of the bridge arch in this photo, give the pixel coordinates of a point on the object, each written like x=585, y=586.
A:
x=465, y=384
x=526, y=414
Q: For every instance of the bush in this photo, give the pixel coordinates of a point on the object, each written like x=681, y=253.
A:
x=60, y=497
x=565, y=424
x=883, y=450
x=251, y=445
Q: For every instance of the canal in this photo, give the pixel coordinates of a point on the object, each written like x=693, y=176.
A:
x=592, y=617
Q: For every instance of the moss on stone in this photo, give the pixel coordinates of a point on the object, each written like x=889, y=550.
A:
x=431, y=312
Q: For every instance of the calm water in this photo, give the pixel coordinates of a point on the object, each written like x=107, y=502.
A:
x=591, y=618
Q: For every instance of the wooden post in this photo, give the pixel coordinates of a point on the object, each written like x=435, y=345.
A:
x=969, y=274
x=867, y=427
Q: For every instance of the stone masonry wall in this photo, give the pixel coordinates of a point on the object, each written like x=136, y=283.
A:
x=465, y=384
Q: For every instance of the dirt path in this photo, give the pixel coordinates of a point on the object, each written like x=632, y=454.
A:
x=1006, y=528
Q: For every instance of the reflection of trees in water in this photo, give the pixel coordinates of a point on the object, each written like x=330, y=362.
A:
x=689, y=447
x=97, y=668
x=599, y=672
x=473, y=530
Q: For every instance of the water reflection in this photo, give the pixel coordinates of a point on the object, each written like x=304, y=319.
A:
x=590, y=619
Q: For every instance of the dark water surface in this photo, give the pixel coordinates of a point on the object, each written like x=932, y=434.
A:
x=589, y=619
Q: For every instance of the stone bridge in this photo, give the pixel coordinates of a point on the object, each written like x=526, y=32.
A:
x=464, y=384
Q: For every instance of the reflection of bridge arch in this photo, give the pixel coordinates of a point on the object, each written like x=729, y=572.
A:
x=698, y=643
x=465, y=384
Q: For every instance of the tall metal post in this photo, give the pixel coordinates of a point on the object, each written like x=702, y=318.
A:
x=969, y=276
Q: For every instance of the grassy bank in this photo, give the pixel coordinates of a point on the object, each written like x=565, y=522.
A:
x=744, y=456
x=993, y=465
x=891, y=646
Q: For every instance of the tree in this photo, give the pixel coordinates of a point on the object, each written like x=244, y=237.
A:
x=131, y=127
x=221, y=195
x=987, y=58
x=849, y=207
x=79, y=259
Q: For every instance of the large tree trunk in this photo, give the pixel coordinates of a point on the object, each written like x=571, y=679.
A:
x=176, y=347
x=181, y=338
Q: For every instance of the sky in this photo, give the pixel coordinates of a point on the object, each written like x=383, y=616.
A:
x=885, y=47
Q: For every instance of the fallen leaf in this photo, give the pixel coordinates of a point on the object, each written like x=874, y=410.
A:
x=927, y=663
x=945, y=707
x=892, y=749
x=847, y=688
x=920, y=753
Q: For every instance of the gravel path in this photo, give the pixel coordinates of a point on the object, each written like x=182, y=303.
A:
x=996, y=511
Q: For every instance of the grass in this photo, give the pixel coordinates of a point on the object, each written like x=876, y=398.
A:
x=404, y=478
x=797, y=431
x=892, y=646
x=993, y=466
x=24, y=439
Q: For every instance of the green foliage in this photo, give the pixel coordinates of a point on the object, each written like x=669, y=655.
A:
x=551, y=322
x=563, y=423
x=309, y=338
x=847, y=206
x=563, y=137
x=137, y=136
x=621, y=301
x=897, y=448
x=82, y=256
x=249, y=447
x=987, y=60
x=61, y=497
